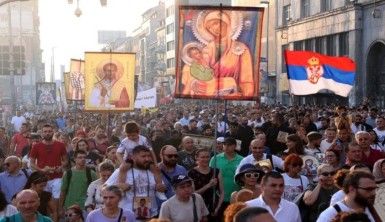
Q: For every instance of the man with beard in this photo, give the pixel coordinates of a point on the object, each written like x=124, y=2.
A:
x=139, y=181
x=50, y=158
x=169, y=167
x=360, y=188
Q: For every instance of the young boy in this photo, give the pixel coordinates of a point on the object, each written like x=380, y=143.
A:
x=124, y=154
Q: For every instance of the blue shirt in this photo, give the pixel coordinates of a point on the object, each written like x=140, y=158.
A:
x=18, y=218
x=61, y=123
x=12, y=184
x=179, y=170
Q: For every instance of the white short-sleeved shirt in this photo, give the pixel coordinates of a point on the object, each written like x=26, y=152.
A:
x=17, y=121
x=329, y=214
x=325, y=145
x=294, y=187
x=177, y=211
x=127, y=145
x=287, y=211
x=144, y=187
x=337, y=197
x=277, y=162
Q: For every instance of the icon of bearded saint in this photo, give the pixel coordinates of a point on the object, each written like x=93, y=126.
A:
x=314, y=70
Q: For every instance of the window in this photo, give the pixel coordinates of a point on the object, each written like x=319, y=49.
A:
x=343, y=43
x=170, y=45
x=170, y=63
x=319, y=45
x=283, y=65
x=298, y=45
x=325, y=5
x=286, y=14
x=170, y=28
x=308, y=45
x=330, y=45
x=305, y=8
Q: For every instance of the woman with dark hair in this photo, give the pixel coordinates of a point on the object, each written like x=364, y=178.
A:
x=295, y=183
x=6, y=209
x=294, y=145
x=207, y=181
x=37, y=181
x=249, y=178
x=74, y=214
x=332, y=157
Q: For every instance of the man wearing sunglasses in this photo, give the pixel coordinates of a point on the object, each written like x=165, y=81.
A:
x=317, y=198
x=13, y=179
x=169, y=167
x=360, y=188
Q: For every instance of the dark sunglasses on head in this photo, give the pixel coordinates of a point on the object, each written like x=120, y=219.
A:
x=255, y=175
x=325, y=174
x=171, y=155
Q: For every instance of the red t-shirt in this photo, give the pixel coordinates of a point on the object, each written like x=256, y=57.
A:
x=49, y=155
x=20, y=142
x=372, y=158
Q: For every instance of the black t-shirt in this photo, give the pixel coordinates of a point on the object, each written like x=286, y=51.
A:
x=322, y=202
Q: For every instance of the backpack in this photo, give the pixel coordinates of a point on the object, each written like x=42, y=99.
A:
x=69, y=176
x=270, y=157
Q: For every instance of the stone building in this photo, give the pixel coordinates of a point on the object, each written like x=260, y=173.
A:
x=353, y=28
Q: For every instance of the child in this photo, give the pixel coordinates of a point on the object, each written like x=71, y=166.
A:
x=124, y=154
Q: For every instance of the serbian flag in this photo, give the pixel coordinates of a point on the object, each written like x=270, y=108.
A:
x=310, y=72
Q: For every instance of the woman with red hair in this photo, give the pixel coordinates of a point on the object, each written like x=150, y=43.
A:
x=295, y=183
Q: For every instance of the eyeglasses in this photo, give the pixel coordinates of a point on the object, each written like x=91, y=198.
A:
x=248, y=175
x=369, y=189
x=326, y=174
x=171, y=155
x=296, y=165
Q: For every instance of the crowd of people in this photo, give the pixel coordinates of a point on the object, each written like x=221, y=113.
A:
x=264, y=164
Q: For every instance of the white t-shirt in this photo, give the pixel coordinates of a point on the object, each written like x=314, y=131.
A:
x=294, y=187
x=337, y=197
x=127, y=145
x=144, y=187
x=325, y=145
x=8, y=211
x=329, y=214
x=177, y=211
x=380, y=134
x=17, y=121
x=277, y=162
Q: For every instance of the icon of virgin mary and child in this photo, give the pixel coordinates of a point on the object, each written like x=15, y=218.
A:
x=217, y=65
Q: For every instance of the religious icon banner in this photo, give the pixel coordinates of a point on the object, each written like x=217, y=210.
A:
x=45, y=93
x=76, y=85
x=218, y=52
x=109, y=81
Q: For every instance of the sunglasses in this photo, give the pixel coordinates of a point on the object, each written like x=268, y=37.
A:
x=171, y=155
x=248, y=175
x=325, y=174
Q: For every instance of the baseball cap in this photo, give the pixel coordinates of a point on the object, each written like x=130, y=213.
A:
x=179, y=179
x=220, y=139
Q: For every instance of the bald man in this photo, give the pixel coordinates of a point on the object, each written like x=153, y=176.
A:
x=13, y=179
x=169, y=167
x=27, y=202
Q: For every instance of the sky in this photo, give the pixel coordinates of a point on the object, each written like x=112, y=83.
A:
x=66, y=36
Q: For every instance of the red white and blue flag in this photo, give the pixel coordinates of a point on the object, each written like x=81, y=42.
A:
x=310, y=72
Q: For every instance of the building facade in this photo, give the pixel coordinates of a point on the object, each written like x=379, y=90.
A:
x=353, y=28
x=20, y=52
